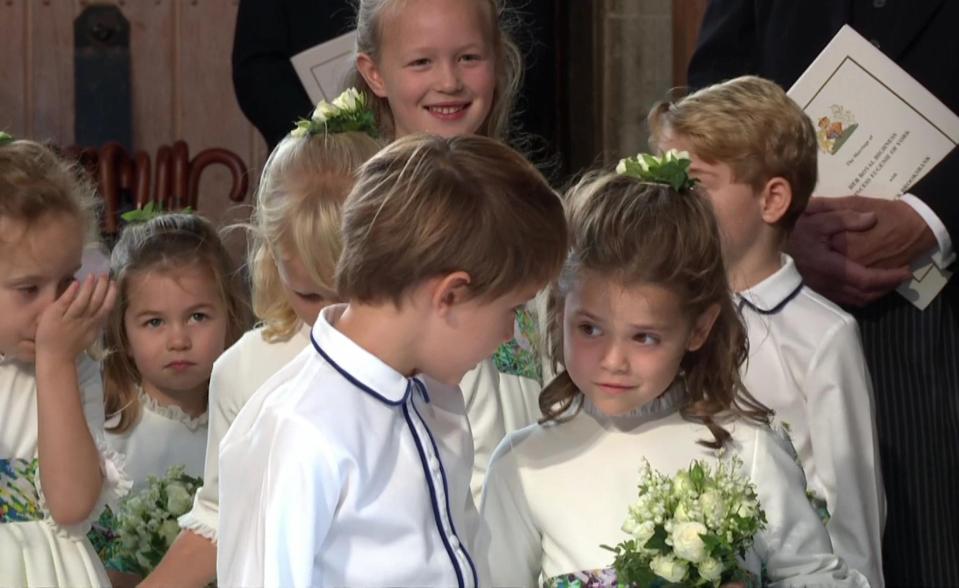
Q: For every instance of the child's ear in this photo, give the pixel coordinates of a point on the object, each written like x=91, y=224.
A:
x=775, y=200
x=371, y=73
x=452, y=289
x=702, y=327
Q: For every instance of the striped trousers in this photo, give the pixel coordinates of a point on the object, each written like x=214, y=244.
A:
x=914, y=360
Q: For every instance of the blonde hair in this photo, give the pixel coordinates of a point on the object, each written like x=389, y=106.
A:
x=639, y=233
x=751, y=125
x=426, y=206
x=165, y=243
x=298, y=201
x=509, y=64
x=35, y=183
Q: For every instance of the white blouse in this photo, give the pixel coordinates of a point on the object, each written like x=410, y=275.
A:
x=164, y=436
x=806, y=363
x=556, y=493
x=340, y=471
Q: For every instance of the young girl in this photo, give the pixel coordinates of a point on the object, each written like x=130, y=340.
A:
x=176, y=312
x=56, y=472
x=294, y=247
x=643, y=322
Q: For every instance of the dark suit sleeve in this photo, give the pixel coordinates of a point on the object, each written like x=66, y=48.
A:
x=727, y=44
x=267, y=88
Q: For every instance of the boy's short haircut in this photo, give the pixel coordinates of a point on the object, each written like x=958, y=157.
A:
x=751, y=125
x=427, y=206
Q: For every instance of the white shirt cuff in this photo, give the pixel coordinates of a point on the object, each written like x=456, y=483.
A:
x=945, y=254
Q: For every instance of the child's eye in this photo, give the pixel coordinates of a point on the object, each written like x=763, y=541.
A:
x=153, y=323
x=311, y=298
x=199, y=316
x=28, y=290
x=590, y=330
x=422, y=62
x=646, y=339
x=472, y=57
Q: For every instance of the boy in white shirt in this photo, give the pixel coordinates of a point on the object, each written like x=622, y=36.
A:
x=754, y=153
x=351, y=466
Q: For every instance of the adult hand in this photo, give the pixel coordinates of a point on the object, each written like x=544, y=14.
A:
x=831, y=273
x=897, y=238
x=71, y=323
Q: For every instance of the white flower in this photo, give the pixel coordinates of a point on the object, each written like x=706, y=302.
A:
x=323, y=111
x=349, y=100
x=621, y=167
x=178, y=499
x=687, y=542
x=169, y=530
x=668, y=568
x=641, y=532
x=747, y=509
x=710, y=569
x=682, y=485
x=713, y=507
x=299, y=132
x=673, y=155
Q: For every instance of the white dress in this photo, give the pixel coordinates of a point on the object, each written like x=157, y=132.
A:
x=555, y=493
x=341, y=471
x=806, y=363
x=498, y=400
x=34, y=550
x=164, y=436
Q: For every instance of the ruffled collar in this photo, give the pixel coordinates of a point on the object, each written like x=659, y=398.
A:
x=665, y=404
x=172, y=412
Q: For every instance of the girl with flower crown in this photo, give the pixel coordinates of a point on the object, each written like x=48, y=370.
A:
x=295, y=243
x=642, y=320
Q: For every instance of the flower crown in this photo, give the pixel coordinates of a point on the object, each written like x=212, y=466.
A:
x=6, y=138
x=348, y=112
x=671, y=169
x=149, y=212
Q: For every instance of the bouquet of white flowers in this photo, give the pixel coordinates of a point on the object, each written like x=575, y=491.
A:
x=689, y=529
x=145, y=525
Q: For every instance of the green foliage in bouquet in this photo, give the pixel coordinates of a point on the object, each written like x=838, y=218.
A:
x=5, y=138
x=689, y=529
x=671, y=169
x=145, y=525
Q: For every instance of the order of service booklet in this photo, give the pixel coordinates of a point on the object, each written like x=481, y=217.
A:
x=879, y=132
x=323, y=69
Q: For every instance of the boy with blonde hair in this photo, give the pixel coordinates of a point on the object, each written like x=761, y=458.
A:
x=361, y=447
x=753, y=151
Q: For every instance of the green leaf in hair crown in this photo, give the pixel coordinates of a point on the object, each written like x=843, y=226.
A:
x=670, y=169
x=348, y=112
x=148, y=213
x=6, y=138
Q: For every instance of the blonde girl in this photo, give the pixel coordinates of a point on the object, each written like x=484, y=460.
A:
x=293, y=251
x=651, y=344
x=56, y=472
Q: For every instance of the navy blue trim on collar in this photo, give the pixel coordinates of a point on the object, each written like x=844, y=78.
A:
x=744, y=302
x=422, y=388
x=358, y=383
x=437, y=517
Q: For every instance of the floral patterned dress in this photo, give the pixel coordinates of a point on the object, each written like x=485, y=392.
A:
x=35, y=550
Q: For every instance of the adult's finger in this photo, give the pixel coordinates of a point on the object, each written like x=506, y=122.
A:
x=829, y=223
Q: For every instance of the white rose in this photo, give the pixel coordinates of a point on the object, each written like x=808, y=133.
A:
x=712, y=505
x=348, y=100
x=169, y=530
x=687, y=542
x=682, y=485
x=621, y=166
x=641, y=532
x=673, y=155
x=710, y=569
x=747, y=509
x=668, y=568
x=323, y=111
x=178, y=500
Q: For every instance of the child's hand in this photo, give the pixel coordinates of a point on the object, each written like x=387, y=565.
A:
x=71, y=323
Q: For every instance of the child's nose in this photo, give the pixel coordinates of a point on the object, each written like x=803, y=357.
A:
x=449, y=79
x=614, y=357
x=179, y=339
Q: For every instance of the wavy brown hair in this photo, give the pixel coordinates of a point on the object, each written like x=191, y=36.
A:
x=164, y=243
x=509, y=63
x=640, y=233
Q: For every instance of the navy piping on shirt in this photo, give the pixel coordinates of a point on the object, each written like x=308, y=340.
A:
x=433, y=501
x=775, y=309
x=358, y=383
x=446, y=488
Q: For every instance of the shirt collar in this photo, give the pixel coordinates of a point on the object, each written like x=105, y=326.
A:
x=771, y=294
x=363, y=369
